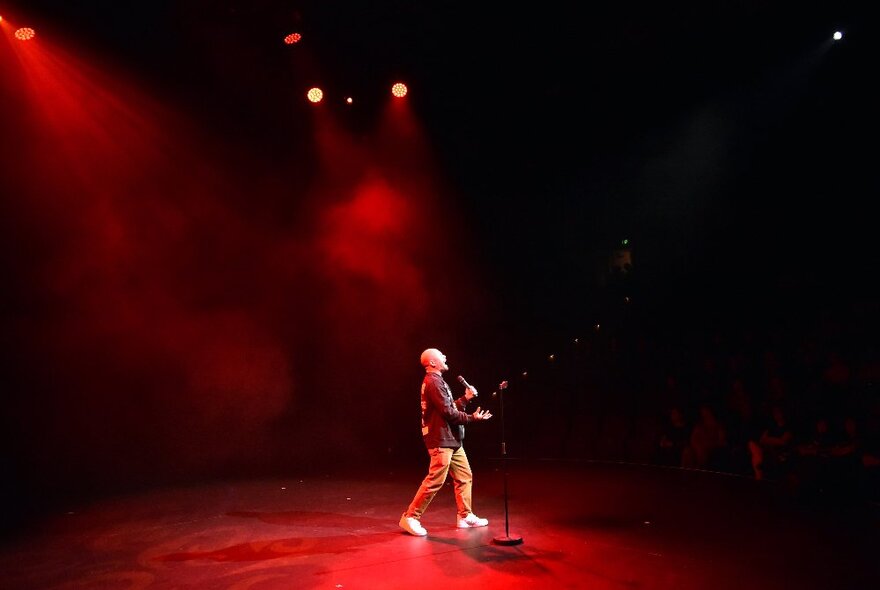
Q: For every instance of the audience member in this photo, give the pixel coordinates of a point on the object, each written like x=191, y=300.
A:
x=742, y=428
x=673, y=439
x=708, y=443
x=771, y=453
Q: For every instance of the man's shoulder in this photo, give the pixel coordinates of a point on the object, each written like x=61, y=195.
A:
x=435, y=379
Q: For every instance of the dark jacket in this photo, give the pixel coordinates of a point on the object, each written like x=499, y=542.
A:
x=443, y=418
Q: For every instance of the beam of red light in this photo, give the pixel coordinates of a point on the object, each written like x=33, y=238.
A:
x=119, y=203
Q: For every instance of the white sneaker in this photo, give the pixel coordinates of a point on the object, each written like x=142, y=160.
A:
x=412, y=526
x=472, y=520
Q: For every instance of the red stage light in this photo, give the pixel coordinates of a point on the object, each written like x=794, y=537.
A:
x=399, y=90
x=349, y=100
x=293, y=38
x=25, y=34
x=315, y=94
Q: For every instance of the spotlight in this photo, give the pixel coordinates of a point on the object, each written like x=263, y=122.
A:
x=838, y=35
x=315, y=95
x=399, y=90
x=292, y=38
x=349, y=100
x=25, y=34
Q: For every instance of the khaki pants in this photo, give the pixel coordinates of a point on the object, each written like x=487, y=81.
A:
x=443, y=461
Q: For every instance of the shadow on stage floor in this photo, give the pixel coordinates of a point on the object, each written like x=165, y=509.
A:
x=585, y=525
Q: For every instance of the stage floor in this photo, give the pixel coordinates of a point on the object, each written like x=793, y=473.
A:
x=585, y=525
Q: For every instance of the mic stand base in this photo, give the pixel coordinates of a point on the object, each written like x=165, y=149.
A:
x=507, y=540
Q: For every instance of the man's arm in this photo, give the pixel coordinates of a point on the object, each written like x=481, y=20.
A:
x=444, y=405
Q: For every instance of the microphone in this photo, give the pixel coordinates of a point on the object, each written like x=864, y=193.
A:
x=465, y=383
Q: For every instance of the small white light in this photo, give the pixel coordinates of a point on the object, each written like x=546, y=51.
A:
x=838, y=35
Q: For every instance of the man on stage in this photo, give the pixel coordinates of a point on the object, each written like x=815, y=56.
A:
x=443, y=421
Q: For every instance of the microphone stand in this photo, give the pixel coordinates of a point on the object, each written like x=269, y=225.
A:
x=506, y=538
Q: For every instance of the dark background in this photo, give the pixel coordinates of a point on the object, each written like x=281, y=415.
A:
x=729, y=142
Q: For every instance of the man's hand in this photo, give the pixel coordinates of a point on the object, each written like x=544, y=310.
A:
x=479, y=415
x=470, y=393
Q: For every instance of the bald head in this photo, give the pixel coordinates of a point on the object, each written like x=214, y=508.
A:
x=434, y=361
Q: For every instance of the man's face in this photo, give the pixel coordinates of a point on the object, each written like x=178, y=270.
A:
x=434, y=359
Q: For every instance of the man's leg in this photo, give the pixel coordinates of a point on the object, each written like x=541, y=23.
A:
x=463, y=478
x=461, y=475
x=440, y=462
